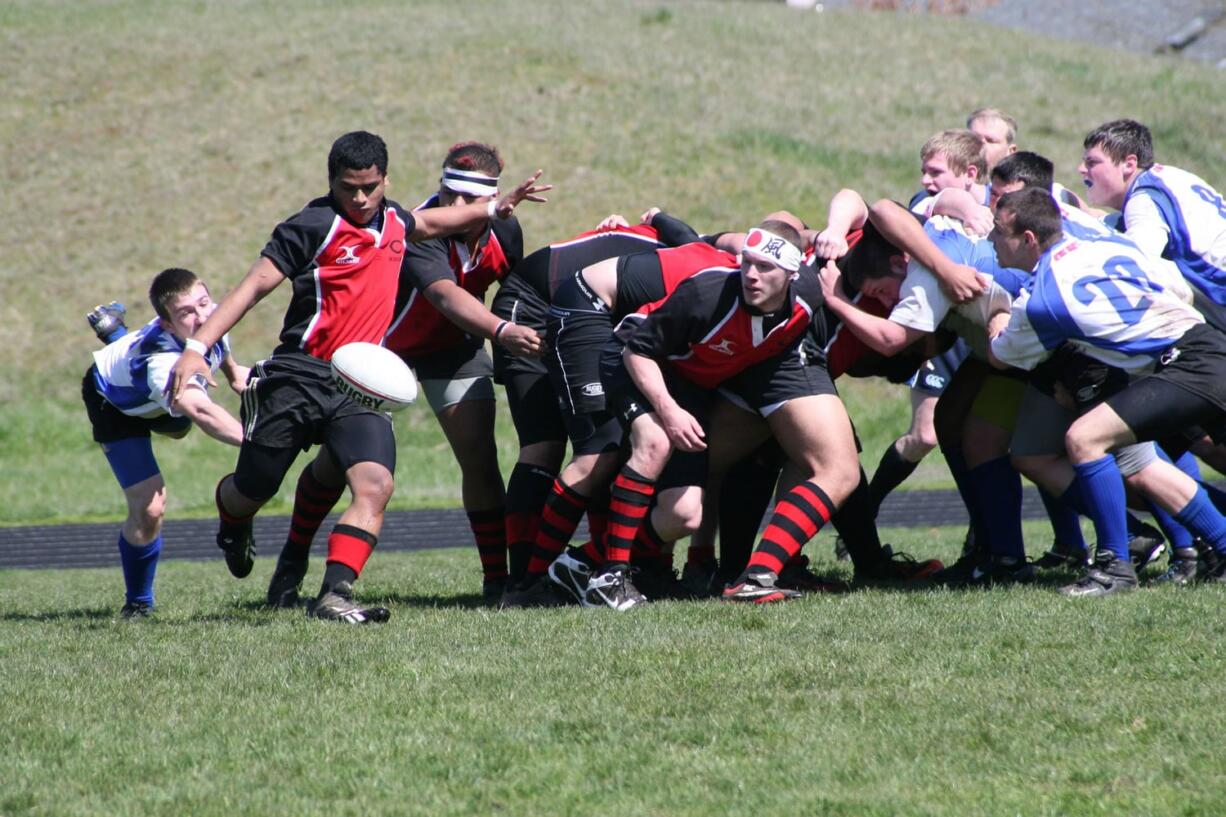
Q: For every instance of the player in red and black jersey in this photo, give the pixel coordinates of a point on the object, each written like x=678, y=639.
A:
x=872, y=269
x=440, y=329
x=741, y=333
x=585, y=304
x=342, y=254
x=523, y=298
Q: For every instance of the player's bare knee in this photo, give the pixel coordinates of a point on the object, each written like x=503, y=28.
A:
x=685, y=513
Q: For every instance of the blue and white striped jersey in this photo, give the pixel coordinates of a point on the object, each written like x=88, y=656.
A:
x=131, y=374
x=1107, y=298
x=1177, y=215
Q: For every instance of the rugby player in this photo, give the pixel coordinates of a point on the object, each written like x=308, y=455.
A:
x=343, y=254
x=126, y=398
x=1117, y=306
x=440, y=332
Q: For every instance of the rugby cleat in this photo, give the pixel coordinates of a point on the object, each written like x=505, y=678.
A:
x=698, y=579
x=1146, y=544
x=897, y=567
x=796, y=575
x=657, y=582
x=492, y=590
x=1063, y=556
x=841, y=553
x=238, y=544
x=1107, y=576
x=107, y=321
x=336, y=604
x=613, y=589
x=571, y=572
x=285, y=586
x=757, y=588
x=136, y=610
x=533, y=591
x=997, y=572
x=1182, y=569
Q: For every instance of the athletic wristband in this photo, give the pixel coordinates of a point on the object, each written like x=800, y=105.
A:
x=196, y=346
x=498, y=331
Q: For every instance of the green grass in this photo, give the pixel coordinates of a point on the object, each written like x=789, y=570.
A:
x=875, y=703
x=143, y=134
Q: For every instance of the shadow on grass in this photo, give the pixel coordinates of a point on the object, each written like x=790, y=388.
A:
x=462, y=601
x=80, y=614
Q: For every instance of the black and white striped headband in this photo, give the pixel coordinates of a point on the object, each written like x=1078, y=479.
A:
x=469, y=182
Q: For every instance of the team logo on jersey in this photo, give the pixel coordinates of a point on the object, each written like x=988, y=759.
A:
x=724, y=347
x=592, y=389
x=349, y=255
x=396, y=247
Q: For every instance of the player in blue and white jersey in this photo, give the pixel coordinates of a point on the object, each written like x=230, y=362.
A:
x=989, y=485
x=1169, y=213
x=125, y=395
x=1110, y=301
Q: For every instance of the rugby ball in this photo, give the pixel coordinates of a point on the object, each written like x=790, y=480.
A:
x=373, y=376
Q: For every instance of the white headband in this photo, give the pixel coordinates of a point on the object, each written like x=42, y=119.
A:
x=766, y=246
x=469, y=182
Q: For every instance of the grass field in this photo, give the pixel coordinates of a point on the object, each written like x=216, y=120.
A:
x=143, y=134
x=874, y=703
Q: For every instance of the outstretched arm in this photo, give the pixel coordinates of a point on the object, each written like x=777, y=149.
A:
x=261, y=279
x=212, y=418
x=441, y=221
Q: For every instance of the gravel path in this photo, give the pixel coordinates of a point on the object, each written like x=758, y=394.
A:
x=1133, y=25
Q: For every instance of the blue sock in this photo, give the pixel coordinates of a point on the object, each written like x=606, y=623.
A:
x=1102, y=488
x=1204, y=520
x=1176, y=534
x=1065, y=521
x=970, y=497
x=140, y=563
x=1188, y=464
x=999, y=489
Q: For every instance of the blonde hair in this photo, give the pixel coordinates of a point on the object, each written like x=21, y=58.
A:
x=996, y=113
x=962, y=148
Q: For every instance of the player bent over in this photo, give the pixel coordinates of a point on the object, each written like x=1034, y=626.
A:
x=1117, y=306
x=740, y=330
x=343, y=254
x=126, y=398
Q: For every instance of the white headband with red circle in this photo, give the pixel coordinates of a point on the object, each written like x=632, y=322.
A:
x=763, y=245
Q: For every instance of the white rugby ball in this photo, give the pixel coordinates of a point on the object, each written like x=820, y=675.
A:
x=373, y=376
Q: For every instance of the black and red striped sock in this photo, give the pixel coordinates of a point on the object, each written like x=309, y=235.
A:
x=649, y=548
x=629, y=502
x=798, y=516
x=312, y=502
x=597, y=525
x=563, y=510
x=348, y=549
x=490, y=532
x=527, y=489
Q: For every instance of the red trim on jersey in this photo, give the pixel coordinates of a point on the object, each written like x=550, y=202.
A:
x=356, y=275
x=420, y=329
